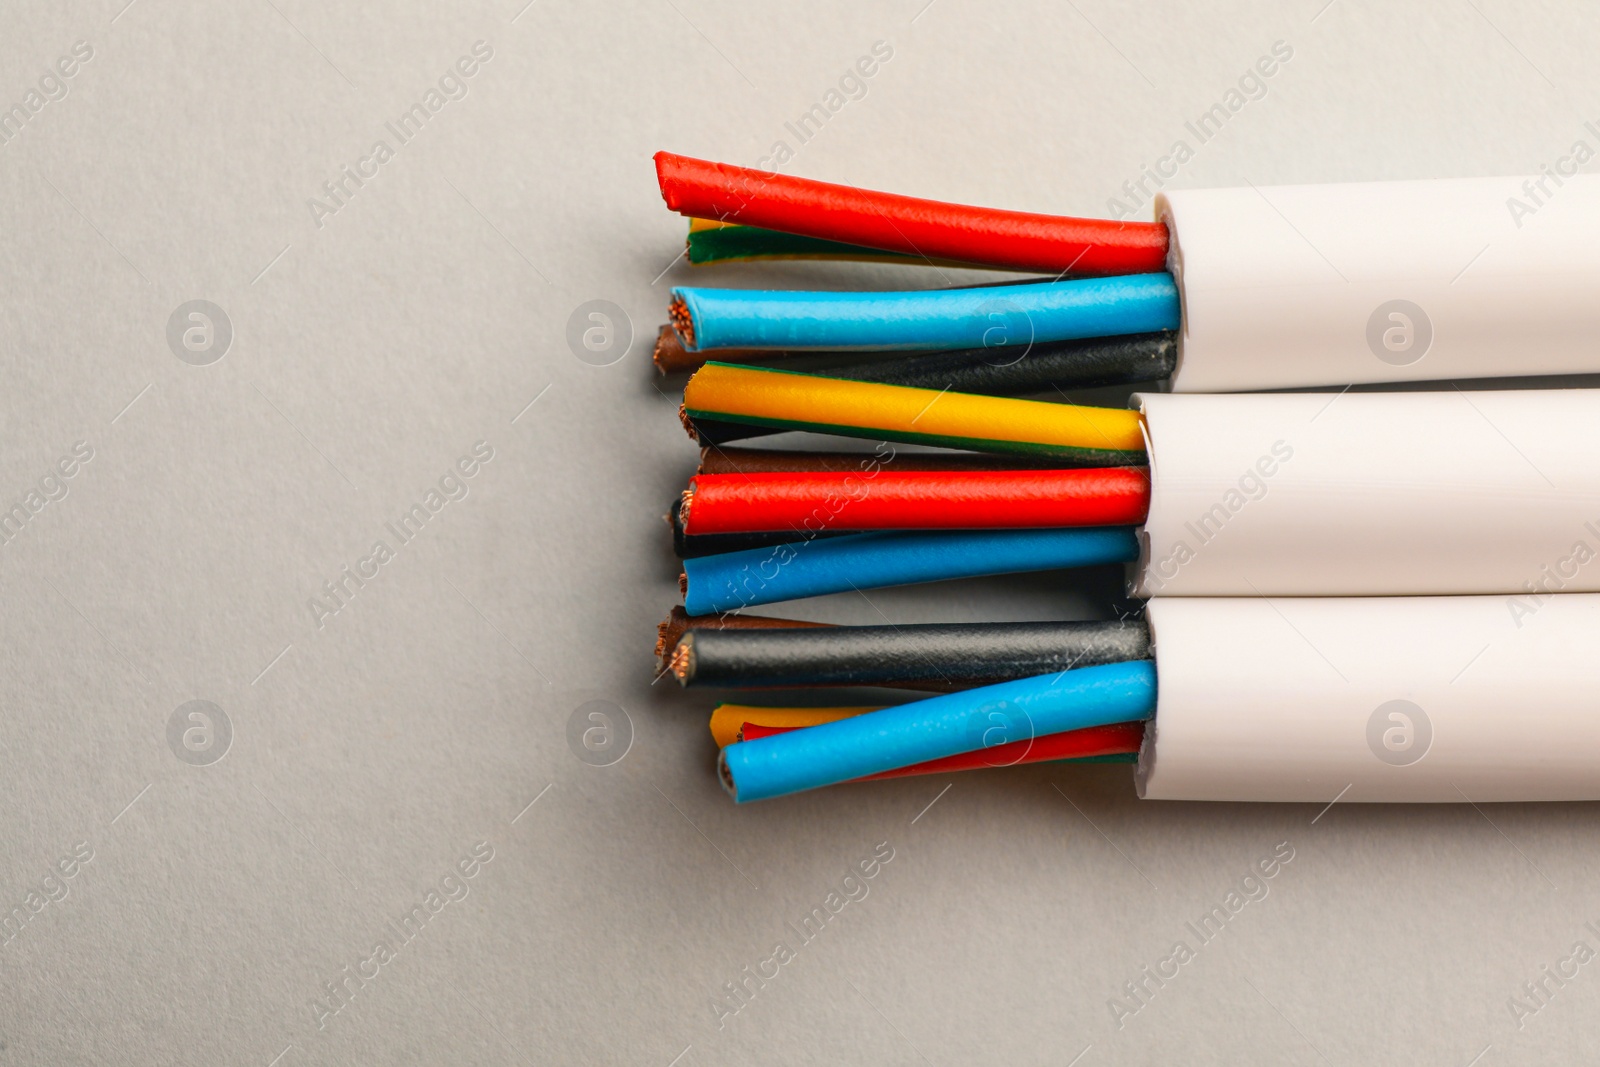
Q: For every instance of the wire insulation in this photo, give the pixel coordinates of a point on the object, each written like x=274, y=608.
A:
x=769, y=460
x=679, y=622
x=1019, y=371
x=756, y=576
x=691, y=546
x=721, y=242
x=1072, y=746
x=924, y=320
x=950, y=653
x=790, y=401
x=1041, y=368
x=1015, y=239
x=728, y=719
x=916, y=500
x=938, y=727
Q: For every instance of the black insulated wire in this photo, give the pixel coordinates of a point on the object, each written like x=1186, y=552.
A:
x=943, y=653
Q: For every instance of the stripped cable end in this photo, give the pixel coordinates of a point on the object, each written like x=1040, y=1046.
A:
x=669, y=632
x=682, y=663
x=683, y=508
x=682, y=321
x=668, y=355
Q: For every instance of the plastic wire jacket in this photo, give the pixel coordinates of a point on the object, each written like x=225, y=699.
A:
x=770, y=460
x=755, y=576
x=1080, y=363
x=1020, y=369
x=1385, y=281
x=711, y=242
x=1374, y=494
x=786, y=400
x=728, y=719
x=926, y=320
x=953, y=653
x=679, y=622
x=917, y=500
x=1040, y=368
x=938, y=727
x=923, y=228
x=1447, y=699
x=689, y=546
x=1072, y=746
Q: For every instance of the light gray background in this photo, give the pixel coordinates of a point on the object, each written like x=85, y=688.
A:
x=370, y=753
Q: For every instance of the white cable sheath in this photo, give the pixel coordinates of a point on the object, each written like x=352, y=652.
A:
x=1372, y=494
x=1430, y=699
x=1385, y=281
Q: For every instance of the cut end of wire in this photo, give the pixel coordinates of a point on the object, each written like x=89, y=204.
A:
x=682, y=662
x=669, y=632
x=679, y=622
x=685, y=500
x=669, y=356
x=682, y=321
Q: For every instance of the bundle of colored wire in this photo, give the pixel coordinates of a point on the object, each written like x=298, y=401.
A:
x=768, y=460
x=1117, y=743
x=924, y=320
x=951, y=653
x=679, y=622
x=789, y=401
x=755, y=576
x=922, y=228
x=693, y=546
x=916, y=500
x=937, y=727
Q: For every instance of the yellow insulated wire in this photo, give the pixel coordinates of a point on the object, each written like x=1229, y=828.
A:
x=789, y=400
x=727, y=718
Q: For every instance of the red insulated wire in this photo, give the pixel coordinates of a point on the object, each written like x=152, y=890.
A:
x=1019, y=240
x=914, y=500
x=1117, y=739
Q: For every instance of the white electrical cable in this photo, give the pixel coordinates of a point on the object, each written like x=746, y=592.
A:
x=1372, y=494
x=1431, y=699
x=1385, y=281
